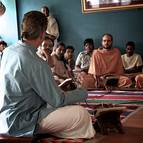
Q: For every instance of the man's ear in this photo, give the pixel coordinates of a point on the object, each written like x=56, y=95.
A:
x=42, y=35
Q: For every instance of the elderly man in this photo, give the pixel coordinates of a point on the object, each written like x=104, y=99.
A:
x=31, y=101
x=52, y=26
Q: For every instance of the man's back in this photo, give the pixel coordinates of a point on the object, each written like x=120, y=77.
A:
x=29, y=92
x=24, y=78
x=15, y=76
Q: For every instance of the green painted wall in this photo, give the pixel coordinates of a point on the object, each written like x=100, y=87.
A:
x=8, y=22
x=75, y=26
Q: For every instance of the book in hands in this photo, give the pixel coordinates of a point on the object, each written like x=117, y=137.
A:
x=65, y=82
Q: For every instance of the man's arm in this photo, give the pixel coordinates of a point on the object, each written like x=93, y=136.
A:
x=134, y=69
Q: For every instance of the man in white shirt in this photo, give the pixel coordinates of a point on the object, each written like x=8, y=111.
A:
x=133, y=64
x=132, y=61
x=52, y=26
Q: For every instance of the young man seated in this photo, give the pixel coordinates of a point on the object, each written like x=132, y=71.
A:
x=83, y=58
x=59, y=68
x=45, y=50
x=132, y=61
x=31, y=101
x=133, y=64
x=69, y=59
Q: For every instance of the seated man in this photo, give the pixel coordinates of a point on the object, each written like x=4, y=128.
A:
x=83, y=58
x=132, y=62
x=31, y=101
x=105, y=61
x=45, y=50
x=59, y=68
x=69, y=59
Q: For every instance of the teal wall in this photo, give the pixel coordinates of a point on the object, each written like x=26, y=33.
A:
x=8, y=22
x=75, y=26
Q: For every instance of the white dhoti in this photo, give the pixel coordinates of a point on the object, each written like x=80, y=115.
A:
x=68, y=122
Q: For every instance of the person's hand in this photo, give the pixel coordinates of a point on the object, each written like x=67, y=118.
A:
x=40, y=54
x=46, y=52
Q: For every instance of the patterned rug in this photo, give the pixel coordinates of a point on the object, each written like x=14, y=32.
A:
x=130, y=110
x=115, y=97
x=132, y=100
x=57, y=140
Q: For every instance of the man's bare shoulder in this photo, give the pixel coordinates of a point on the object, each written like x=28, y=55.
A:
x=116, y=49
x=97, y=50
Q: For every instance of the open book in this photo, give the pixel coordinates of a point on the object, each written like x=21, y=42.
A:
x=65, y=83
x=111, y=80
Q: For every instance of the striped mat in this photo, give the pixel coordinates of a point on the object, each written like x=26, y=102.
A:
x=116, y=97
x=132, y=100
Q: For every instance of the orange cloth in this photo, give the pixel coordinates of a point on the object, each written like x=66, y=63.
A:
x=139, y=81
x=86, y=80
x=106, y=62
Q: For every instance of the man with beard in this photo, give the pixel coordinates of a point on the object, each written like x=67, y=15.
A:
x=106, y=61
x=45, y=50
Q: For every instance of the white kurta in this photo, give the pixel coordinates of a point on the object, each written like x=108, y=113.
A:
x=133, y=61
